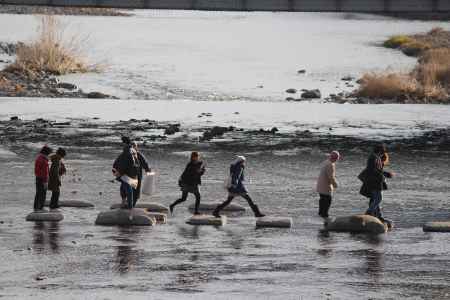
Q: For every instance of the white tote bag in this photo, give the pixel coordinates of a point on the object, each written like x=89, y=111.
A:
x=132, y=182
x=148, y=183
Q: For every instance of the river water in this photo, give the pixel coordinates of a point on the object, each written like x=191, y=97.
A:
x=226, y=56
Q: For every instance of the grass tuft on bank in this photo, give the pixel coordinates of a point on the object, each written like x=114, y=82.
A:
x=53, y=52
x=429, y=82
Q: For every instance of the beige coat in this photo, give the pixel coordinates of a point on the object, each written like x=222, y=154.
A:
x=326, y=182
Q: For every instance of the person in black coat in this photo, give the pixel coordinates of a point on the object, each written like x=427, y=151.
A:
x=126, y=170
x=143, y=166
x=190, y=180
x=237, y=188
x=374, y=180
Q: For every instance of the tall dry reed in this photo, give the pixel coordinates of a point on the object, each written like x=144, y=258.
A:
x=54, y=51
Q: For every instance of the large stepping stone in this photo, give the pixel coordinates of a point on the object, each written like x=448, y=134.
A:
x=277, y=222
x=357, y=224
x=150, y=206
x=71, y=203
x=207, y=220
x=437, y=227
x=159, y=217
x=210, y=206
x=125, y=217
x=45, y=216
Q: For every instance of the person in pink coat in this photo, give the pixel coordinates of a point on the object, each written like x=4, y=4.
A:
x=326, y=183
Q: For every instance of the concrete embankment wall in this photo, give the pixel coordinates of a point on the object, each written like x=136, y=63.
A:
x=386, y=6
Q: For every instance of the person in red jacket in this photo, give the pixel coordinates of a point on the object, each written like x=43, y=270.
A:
x=41, y=171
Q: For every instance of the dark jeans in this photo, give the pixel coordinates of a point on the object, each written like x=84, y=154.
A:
x=230, y=198
x=374, y=204
x=54, y=200
x=324, y=205
x=184, y=196
x=41, y=194
x=127, y=191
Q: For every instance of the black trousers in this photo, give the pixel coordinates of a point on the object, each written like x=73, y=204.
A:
x=230, y=198
x=41, y=194
x=184, y=196
x=324, y=205
x=54, y=200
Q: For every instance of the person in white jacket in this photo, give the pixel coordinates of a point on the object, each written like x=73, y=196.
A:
x=326, y=183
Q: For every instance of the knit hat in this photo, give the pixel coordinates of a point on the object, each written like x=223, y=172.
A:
x=126, y=140
x=334, y=155
x=239, y=159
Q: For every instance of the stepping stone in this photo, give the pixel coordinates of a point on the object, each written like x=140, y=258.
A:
x=159, y=217
x=210, y=206
x=45, y=216
x=207, y=220
x=278, y=222
x=356, y=223
x=151, y=206
x=72, y=203
x=125, y=217
x=437, y=227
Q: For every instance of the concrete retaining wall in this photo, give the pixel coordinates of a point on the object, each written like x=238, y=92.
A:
x=387, y=6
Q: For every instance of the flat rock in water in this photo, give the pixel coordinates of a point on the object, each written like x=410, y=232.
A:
x=209, y=206
x=356, y=223
x=159, y=217
x=206, y=220
x=45, y=216
x=72, y=203
x=125, y=217
x=150, y=206
x=437, y=227
x=279, y=222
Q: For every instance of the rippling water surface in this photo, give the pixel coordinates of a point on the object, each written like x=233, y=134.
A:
x=80, y=260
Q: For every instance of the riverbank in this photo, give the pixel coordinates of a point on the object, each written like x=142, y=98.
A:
x=428, y=82
x=60, y=10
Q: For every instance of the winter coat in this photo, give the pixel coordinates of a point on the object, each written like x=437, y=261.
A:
x=143, y=165
x=41, y=167
x=57, y=169
x=192, y=173
x=373, y=177
x=126, y=164
x=237, y=179
x=326, y=182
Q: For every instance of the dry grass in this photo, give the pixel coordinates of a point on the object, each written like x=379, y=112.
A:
x=397, y=41
x=386, y=86
x=428, y=82
x=53, y=51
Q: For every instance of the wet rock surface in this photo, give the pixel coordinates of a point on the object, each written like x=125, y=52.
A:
x=41, y=84
x=153, y=134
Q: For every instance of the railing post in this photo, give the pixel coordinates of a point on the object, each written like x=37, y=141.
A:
x=338, y=5
x=435, y=6
x=387, y=5
x=244, y=5
x=290, y=5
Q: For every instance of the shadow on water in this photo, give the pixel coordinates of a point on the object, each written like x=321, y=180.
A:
x=127, y=256
x=46, y=233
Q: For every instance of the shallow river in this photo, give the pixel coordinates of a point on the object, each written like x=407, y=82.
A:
x=80, y=260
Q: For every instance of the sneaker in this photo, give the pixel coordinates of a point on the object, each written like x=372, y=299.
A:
x=216, y=214
x=260, y=215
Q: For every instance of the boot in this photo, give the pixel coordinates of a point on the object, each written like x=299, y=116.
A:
x=216, y=211
x=256, y=211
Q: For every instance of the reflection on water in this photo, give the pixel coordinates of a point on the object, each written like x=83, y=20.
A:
x=46, y=234
x=127, y=256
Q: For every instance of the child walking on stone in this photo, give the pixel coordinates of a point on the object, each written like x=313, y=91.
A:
x=190, y=180
x=326, y=183
x=237, y=188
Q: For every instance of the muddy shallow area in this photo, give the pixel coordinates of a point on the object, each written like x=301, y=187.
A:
x=76, y=259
